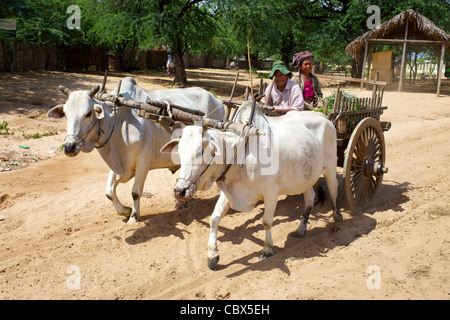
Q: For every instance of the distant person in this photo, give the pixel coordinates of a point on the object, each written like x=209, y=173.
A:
x=170, y=66
x=307, y=81
x=283, y=94
x=234, y=63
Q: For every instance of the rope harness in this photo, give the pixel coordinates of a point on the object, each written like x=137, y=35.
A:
x=242, y=139
x=99, y=131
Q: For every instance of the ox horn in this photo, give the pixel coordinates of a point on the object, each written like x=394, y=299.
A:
x=65, y=90
x=93, y=91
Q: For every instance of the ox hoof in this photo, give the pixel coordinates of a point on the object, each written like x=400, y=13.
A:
x=264, y=255
x=337, y=216
x=212, y=263
x=133, y=219
x=299, y=234
x=126, y=212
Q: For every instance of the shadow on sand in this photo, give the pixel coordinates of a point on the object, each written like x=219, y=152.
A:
x=318, y=240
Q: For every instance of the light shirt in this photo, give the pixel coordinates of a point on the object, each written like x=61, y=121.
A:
x=290, y=98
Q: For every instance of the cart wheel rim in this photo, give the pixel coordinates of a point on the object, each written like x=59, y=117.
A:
x=364, y=164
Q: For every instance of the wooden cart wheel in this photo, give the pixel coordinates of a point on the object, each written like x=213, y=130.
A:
x=364, y=164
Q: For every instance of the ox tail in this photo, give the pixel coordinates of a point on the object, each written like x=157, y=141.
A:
x=320, y=199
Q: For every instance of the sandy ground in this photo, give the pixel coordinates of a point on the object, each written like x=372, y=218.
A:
x=57, y=227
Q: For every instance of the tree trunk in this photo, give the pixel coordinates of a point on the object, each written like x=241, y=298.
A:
x=356, y=69
x=254, y=60
x=180, y=72
x=287, y=45
x=119, y=58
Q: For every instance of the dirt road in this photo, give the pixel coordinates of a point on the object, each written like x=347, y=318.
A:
x=61, y=239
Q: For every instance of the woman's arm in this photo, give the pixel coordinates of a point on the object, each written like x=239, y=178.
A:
x=297, y=102
x=316, y=87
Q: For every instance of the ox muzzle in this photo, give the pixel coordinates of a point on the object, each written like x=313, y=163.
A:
x=184, y=190
x=72, y=146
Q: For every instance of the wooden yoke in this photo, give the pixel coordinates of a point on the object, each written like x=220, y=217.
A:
x=160, y=111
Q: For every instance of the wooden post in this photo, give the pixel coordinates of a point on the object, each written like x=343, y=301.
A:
x=227, y=107
x=439, y=73
x=366, y=50
x=369, y=60
x=374, y=87
x=234, y=85
x=269, y=102
x=337, y=99
x=261, y=87
x=402, y=70
x=250, y=66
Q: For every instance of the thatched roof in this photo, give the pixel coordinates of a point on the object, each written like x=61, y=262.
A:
x=420, y=28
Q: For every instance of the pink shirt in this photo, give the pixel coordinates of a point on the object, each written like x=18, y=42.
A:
x=309, y=91
x=290, y=98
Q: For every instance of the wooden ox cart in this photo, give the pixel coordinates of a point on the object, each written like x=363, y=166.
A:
x=361, y=147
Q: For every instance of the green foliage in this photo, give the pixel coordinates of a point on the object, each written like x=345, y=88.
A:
x=326, y=27
x=217, y=28
x=37, y=135
x=330, y=100
x=183, y=26
x=118, y=25
x=4, y=130
x=116, y=32
x=262, y=22
x=13, y=8
x=45, y=22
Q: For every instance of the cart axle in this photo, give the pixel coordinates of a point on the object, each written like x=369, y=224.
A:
x=371, y=168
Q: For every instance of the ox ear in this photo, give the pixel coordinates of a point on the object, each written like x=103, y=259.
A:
x=99, y=111
x=215, y=146
x=56, y=112
x=171, y=146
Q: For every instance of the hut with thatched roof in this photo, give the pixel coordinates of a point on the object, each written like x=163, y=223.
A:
x=407, y=28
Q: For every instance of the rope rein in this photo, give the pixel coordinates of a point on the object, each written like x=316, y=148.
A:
x=112, y=130
x=89, y=131
x=237, y=147
x=99, y=131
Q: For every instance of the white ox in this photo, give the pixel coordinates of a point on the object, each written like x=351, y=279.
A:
x=128, y=143
x=302, y=147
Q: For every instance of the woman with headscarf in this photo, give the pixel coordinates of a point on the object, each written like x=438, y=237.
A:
x=283, y=93
x=307, y=81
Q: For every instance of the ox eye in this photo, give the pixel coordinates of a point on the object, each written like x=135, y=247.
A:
x=89, y=114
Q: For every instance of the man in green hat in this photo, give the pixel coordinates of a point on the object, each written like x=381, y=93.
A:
x=283, y=94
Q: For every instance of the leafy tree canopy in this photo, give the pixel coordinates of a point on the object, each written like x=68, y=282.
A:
x=218, y=28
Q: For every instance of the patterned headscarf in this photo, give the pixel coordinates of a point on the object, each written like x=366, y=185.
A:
x=300, y=56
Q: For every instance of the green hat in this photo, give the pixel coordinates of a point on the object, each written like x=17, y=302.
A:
x=280, y=66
